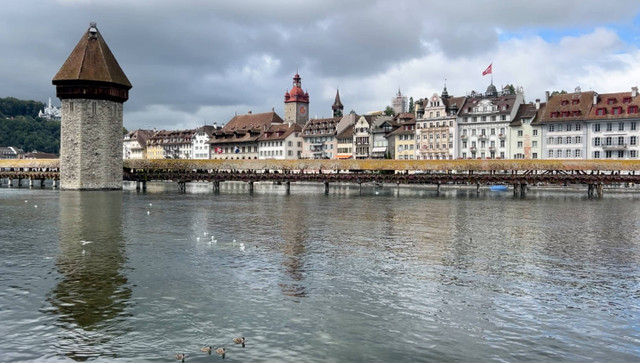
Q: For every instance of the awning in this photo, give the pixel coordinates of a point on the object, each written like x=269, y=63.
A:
x=379, y=149
x=343, y=156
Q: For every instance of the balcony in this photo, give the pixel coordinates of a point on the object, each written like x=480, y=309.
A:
x=492, y=149
x=614, y=147
x=482, y=137
x=473, y=149
x=501, y=136
x=464, y=137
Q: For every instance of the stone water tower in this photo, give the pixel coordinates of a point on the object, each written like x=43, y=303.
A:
x=92, y=88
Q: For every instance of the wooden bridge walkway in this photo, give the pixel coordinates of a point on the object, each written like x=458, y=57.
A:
x=594, y=174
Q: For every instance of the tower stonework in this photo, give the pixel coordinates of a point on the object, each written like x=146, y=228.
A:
x=92, y=88
x=296, y=103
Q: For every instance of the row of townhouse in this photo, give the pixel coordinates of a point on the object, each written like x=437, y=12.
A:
x=499, y=125
x=490, y=125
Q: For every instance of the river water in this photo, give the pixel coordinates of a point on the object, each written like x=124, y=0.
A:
x=352, y=276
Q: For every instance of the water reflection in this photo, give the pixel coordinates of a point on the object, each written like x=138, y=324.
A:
x=294, y=235
x=92, y=296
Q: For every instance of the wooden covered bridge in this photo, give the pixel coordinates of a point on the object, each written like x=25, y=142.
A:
x=593, y=174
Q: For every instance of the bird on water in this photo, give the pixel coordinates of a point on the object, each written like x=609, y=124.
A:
x=221, y=351
x=239, y=340
x=181, y=356
x=206, y=349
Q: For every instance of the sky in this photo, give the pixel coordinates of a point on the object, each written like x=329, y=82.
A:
x=196, y=62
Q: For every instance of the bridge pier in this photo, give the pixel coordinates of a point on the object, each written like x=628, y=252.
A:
x=137, y=186
x=216, y=186
x=30, y=183
x=438, y=189
x=182, y=186
x=287, y=186
x=600, y=190
x=251, y=187
x=326, y=187
x=55, y=183
x=9, y=182
x=42, y=182
x=477, y=188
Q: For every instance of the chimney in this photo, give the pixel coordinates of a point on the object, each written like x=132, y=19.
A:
x=595, y=98
x=537, y=103
x=547, y=95
x=634, y=91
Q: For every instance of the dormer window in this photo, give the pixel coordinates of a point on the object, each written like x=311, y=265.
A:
x=565, y=114
x=555, y=114
x=632, y=109
x=575, y=102
x=575, y=113
x=616, y=110
x=564, y=102
x=611, y=101
x=626, y=100
x=601, y=111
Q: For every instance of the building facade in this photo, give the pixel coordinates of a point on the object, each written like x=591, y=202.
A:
x=483, y=123
x=296, y=103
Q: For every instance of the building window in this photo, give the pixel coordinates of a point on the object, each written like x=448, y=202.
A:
x=596, y=127
x=578, y=139
x=534, y=144
x=596, y=141
x=551, y=128
x=535, y=132
x=555, y=114
x=620, y=154
x=575, y=102
x=620, y=126
x=578, y=127
x=596, y=154
x=620, y=140
x=559, y=140
x=633, y=140
x=633, y=126
x=609, y=126
x=632, y=153
x=601, y=111
x=568, y=139
x=632, y=109
x=559, y=153
x=520, y=133
x=577, y=153
x=608, y=141
x=519, y=144
x=534, y=155
x=564, y=102
x=569, y=127
x=611, y=101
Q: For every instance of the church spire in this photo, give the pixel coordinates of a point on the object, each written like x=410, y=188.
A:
x=337, y=105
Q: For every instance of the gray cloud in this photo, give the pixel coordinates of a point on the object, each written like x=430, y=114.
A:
x=193, y=55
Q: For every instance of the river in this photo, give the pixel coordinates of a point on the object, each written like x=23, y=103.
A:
x=374, y=275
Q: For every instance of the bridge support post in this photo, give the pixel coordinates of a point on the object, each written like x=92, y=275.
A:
x=251, y=187
x=287, y=186
x=438, y=189
x=477, y=188
x=137, y=185
x=55, y=184
x=144, y=185
x=30, y=183
x=523, y=189
x=326, y=187
x=10, y=182
x=42, y=182
x=600, y=190
x=216, y=186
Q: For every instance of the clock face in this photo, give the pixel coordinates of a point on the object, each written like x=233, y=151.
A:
x=303, y=110
x=434, y=98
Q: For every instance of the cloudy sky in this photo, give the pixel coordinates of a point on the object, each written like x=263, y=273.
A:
x=193, y=62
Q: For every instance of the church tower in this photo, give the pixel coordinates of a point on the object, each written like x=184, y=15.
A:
x=92, y=88
x=296, y=103
x=337, y=106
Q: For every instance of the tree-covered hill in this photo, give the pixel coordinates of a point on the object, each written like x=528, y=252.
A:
x=12, y=107
x=20, y=127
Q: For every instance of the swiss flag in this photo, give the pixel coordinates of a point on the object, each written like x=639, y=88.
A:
x=218, y=150
x=488, y=70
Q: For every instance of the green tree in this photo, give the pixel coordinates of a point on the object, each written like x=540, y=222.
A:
x=411, y=105
x=510, y=88
x=124, y=131
x=389, y=111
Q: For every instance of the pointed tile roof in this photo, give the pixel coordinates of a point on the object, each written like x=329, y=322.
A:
x=91, y=60
x=337, y=104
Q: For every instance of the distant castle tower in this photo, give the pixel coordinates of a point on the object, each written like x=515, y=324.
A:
x=92, y=88
x=337, y=106
x=296, y=103
x=399, y=103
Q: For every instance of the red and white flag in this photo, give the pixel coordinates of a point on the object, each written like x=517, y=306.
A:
x=488, y=70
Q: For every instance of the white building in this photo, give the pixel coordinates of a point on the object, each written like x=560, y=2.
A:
x=134, y=144
x=51, y=112
x=281, y=141
x=483, y=123
x=200, y=141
